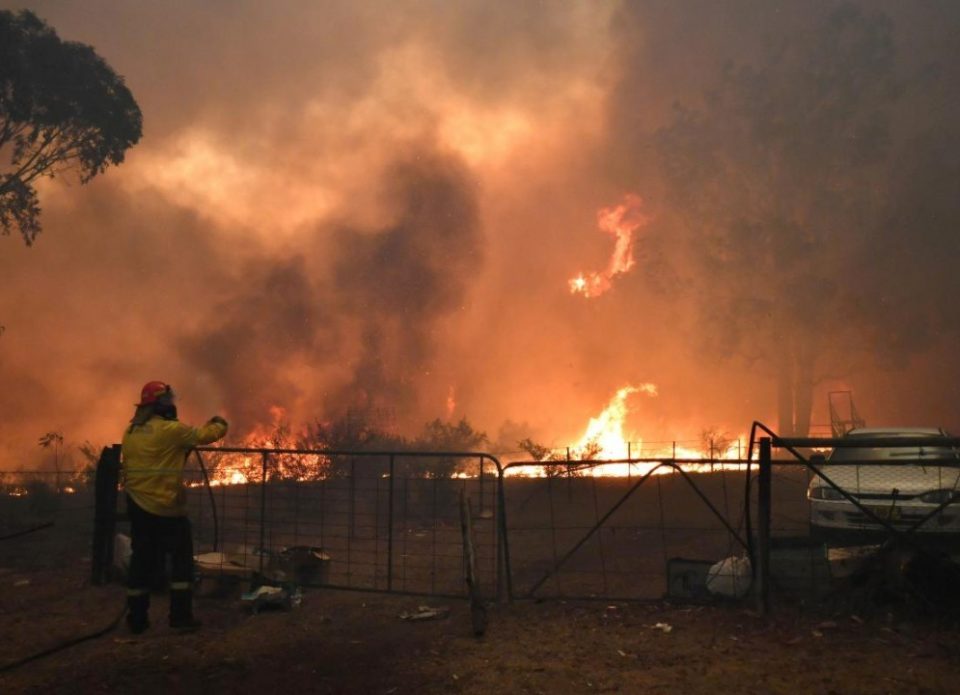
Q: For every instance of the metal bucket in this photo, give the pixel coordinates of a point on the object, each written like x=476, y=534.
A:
x=306, y=565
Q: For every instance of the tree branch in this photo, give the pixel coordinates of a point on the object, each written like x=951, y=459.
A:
x=40, y=160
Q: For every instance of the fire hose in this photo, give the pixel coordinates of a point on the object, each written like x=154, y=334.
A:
x=72, y=642
x=27, y=531
x=65, y=644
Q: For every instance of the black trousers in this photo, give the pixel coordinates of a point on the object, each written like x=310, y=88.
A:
x=152, y=538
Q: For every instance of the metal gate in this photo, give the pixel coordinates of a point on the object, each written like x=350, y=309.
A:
x=586, y=536
x=370, y=521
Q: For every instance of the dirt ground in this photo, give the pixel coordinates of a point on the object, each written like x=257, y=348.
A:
x=352, y=642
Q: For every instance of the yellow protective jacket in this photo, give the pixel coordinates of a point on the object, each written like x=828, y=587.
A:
x=153, y=455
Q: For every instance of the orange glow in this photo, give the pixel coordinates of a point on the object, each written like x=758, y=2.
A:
x=201, y=172
x=620, y=221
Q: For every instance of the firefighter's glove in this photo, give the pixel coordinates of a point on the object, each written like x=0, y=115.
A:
x=218, y=420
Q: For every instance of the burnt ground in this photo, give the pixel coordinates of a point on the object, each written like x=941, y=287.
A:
x=352, y=642
x=355, y=642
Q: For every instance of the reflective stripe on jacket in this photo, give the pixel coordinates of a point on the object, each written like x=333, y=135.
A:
x=153, y=457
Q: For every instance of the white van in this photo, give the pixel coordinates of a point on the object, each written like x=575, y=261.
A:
x=902, y=495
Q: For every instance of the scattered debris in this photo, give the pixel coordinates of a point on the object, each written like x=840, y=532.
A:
x=221, y=574
x=22, y=582
x=847, y=560
x=663, y=627
x=425, y=613
x=283, y=597
x=223, y=564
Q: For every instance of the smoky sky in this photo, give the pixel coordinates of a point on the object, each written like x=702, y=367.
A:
x=343, y=205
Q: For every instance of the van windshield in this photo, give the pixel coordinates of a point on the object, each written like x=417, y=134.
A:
x=911, y=454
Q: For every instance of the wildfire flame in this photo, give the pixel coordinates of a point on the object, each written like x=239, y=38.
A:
x=605, y=438
x=620, y=221
x=605, y=432
x=243, y=469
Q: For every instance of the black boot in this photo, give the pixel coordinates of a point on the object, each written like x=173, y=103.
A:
x=138, y=606
x=181, y=610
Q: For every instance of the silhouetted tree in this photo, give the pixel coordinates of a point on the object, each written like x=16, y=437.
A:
x=445, y=436
x=53, y=440
x=61, y=107
x=353, y=431
x=776, y=176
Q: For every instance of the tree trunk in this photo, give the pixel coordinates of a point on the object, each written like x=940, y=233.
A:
x=795, y=371
x=785, y=384
x=803, y=389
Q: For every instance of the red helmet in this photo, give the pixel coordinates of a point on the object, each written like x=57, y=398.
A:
x=155, y=391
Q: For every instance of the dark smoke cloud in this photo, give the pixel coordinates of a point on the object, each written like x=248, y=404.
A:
x=372, y=322
x=398, y=282
x=249, y=339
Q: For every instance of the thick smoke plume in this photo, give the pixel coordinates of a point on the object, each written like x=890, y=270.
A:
x=396, y=284
x=341, y=206
x=363, y=325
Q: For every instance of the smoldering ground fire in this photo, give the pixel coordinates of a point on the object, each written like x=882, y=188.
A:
x=392, y=211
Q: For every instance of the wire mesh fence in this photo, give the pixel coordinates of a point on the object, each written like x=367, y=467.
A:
x=46, y=519
x=382, y=521
x=374, y=521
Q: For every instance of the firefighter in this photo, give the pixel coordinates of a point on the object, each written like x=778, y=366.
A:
x=155, y=448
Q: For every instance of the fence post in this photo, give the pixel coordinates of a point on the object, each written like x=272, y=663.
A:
x=390, y=527
x=353, y=497
x=762, y=571
x=263, y=508
x=481, y=484
x=504, y=572
x=105, y=514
